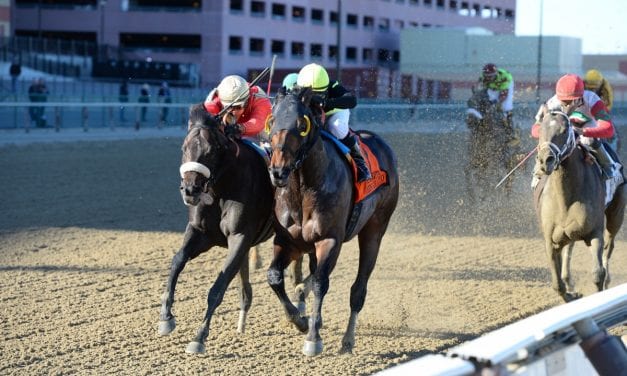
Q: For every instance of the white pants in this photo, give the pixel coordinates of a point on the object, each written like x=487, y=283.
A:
x=507, y=104
x=337, y=123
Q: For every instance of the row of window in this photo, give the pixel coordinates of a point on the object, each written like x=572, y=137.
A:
x=317, y=16
x=300, y=50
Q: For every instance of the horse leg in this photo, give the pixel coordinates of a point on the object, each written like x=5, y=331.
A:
x=254, y=257
x=245, y=296
x=194, y=243
x=327, y=252
x=276, y=280
x=555, y=264
x=608, y=248
x=238, y=251
x=566, y=256
x=295, y=271
x=369, y=244
x=598, y=272
x=614, y=215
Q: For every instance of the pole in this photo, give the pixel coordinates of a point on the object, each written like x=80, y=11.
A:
x=271, y=74
x=539, y=63
x=339, y=34
x=516, y=167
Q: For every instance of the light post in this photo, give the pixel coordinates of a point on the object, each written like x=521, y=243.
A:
x=101, y=47
x=339, y=33
x=539, y=63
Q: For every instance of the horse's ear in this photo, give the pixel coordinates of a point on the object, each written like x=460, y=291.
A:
x=197, y=114
x=305, y=96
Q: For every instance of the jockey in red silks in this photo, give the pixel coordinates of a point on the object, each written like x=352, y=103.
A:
x=587, y=112
x=249, y=107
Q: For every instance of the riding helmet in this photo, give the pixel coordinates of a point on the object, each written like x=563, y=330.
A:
x=569, y=87
x=489, y=70
x=313, y=76
x=233, y=90
x=290, y=81
x=593, y=79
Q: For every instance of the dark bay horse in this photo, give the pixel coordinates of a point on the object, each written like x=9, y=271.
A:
x=314, y=206
x=490, y=154
x=571, y=205
x=228, y=191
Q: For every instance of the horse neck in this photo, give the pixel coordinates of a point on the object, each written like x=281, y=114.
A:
x=314, y=167
x=568, y=181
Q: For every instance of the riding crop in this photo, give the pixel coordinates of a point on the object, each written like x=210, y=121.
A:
x=516, y=167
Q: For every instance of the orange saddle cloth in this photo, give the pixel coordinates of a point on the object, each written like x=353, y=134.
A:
x=379, y=177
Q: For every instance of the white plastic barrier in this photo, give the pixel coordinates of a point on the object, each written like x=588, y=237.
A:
x=548, y=343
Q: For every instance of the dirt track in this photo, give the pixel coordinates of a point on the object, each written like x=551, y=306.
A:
x=88, y=230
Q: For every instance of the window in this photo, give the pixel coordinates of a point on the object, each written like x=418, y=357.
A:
x=396, y=56
x=465, y=9
x=235, y=44
x=351, y=54
x=278, y=47
x=160, y=42
x=399, y=24
x=509, y=14
x=332, y=52
x=384, y=55
x=476, y=10
x=298, y=14
x=367, y=55
x=351, y=20
x=428, y=3
x=278, y=11
x=315, y=50
x=333, y=18
x=257, y=8
x=413, y=24
x=256, y=46
x=452, y=5
x=384, y=24
x=237, y=6
x=439, y=4
x=414, y=2
x=317, y=16
x=368, y=22
x=298, y=50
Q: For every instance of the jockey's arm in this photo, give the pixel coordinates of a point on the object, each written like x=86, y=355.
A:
x=255, y=122
x=604, y=127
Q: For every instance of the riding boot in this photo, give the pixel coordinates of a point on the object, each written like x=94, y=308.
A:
x=605, y=161
x=512, y=132
x=363, y=173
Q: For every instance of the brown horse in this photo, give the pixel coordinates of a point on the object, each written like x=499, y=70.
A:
x=490, y=153
x=316, y=213
x=571, y=205
x=226, y=186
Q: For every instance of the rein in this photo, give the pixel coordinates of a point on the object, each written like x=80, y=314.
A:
x=560, y=154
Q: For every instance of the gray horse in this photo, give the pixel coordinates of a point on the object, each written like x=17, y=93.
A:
x=570, y=205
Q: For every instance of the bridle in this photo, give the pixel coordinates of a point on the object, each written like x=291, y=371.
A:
x=205, y=171
x=310, y=134
x=560, y=154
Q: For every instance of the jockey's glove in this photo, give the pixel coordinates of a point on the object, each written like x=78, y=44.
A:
x=317, y=101
x=229, y=119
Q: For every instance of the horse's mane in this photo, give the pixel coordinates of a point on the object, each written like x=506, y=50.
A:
x=199, y=117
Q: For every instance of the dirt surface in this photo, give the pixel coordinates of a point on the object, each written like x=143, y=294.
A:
x=88, y=230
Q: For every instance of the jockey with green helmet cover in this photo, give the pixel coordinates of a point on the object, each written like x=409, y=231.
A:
x=499, y=85
x=587, y=113
x=335, y=101
x=248, y=106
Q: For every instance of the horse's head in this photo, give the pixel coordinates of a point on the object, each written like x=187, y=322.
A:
x=557, y=140
x=293, y=131
x=202, y=149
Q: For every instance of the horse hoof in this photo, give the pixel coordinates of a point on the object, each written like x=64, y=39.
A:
x=312, y=348
x=166, y=327
x=346, y=349
x=570, y=296
x=195, y=348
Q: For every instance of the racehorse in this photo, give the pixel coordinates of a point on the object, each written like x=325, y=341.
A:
x=490, y=153
x=314, y=204
x=226, y=186
x=571, y=205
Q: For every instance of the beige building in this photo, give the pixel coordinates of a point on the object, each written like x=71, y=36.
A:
x=457, y=56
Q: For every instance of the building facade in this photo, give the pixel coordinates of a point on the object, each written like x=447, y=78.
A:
x=221, y=37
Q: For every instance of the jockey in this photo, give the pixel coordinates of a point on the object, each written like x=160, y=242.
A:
x=594, y=81
x=589, y=115
x=289, y=81
x=336, y=101
x=249, y=107
x=499, y=84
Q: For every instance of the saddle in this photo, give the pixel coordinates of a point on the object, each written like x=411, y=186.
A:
x=379, y=177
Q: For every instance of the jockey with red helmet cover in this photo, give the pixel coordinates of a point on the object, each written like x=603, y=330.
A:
x=588, y=114
x=248, y=106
